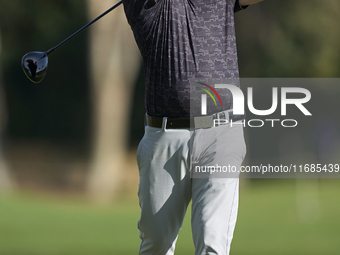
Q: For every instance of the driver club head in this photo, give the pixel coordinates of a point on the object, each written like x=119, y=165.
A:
x=35, y=65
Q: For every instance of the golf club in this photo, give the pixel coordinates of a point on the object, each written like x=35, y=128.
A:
x=35, y=63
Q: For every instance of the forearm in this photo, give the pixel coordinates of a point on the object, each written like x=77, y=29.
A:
x=248, y=2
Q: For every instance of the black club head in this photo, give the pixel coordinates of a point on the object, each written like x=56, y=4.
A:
x=35, y=65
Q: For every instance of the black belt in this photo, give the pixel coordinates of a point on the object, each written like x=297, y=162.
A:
x=206, y=121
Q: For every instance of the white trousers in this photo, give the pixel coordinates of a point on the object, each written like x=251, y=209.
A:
x=165, y=158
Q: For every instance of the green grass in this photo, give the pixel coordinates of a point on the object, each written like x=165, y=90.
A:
x=294, y=217
x=275, y=217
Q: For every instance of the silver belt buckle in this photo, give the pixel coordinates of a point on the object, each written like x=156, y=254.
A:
x=221, y=118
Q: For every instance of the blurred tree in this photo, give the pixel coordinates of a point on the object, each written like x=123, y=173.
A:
x=56, y=110
x=289, y=39
x=114, y=63
x=284, y=39
x=5, y=181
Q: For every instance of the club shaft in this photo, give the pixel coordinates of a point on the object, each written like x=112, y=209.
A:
x=50, y=51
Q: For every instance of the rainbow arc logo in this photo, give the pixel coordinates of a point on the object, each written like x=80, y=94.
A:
x=204, y=97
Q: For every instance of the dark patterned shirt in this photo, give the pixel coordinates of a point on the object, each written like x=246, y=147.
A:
x=183, y=41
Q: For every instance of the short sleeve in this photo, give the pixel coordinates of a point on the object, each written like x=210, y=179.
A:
x=238, y=7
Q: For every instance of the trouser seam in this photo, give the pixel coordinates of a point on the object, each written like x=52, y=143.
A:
x=231, y=213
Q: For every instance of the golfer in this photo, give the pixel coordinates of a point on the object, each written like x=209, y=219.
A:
x=185, y=43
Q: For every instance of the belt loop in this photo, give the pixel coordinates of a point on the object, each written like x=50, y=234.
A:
x=227, y=116
x=165, y=121
x=218, y=119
